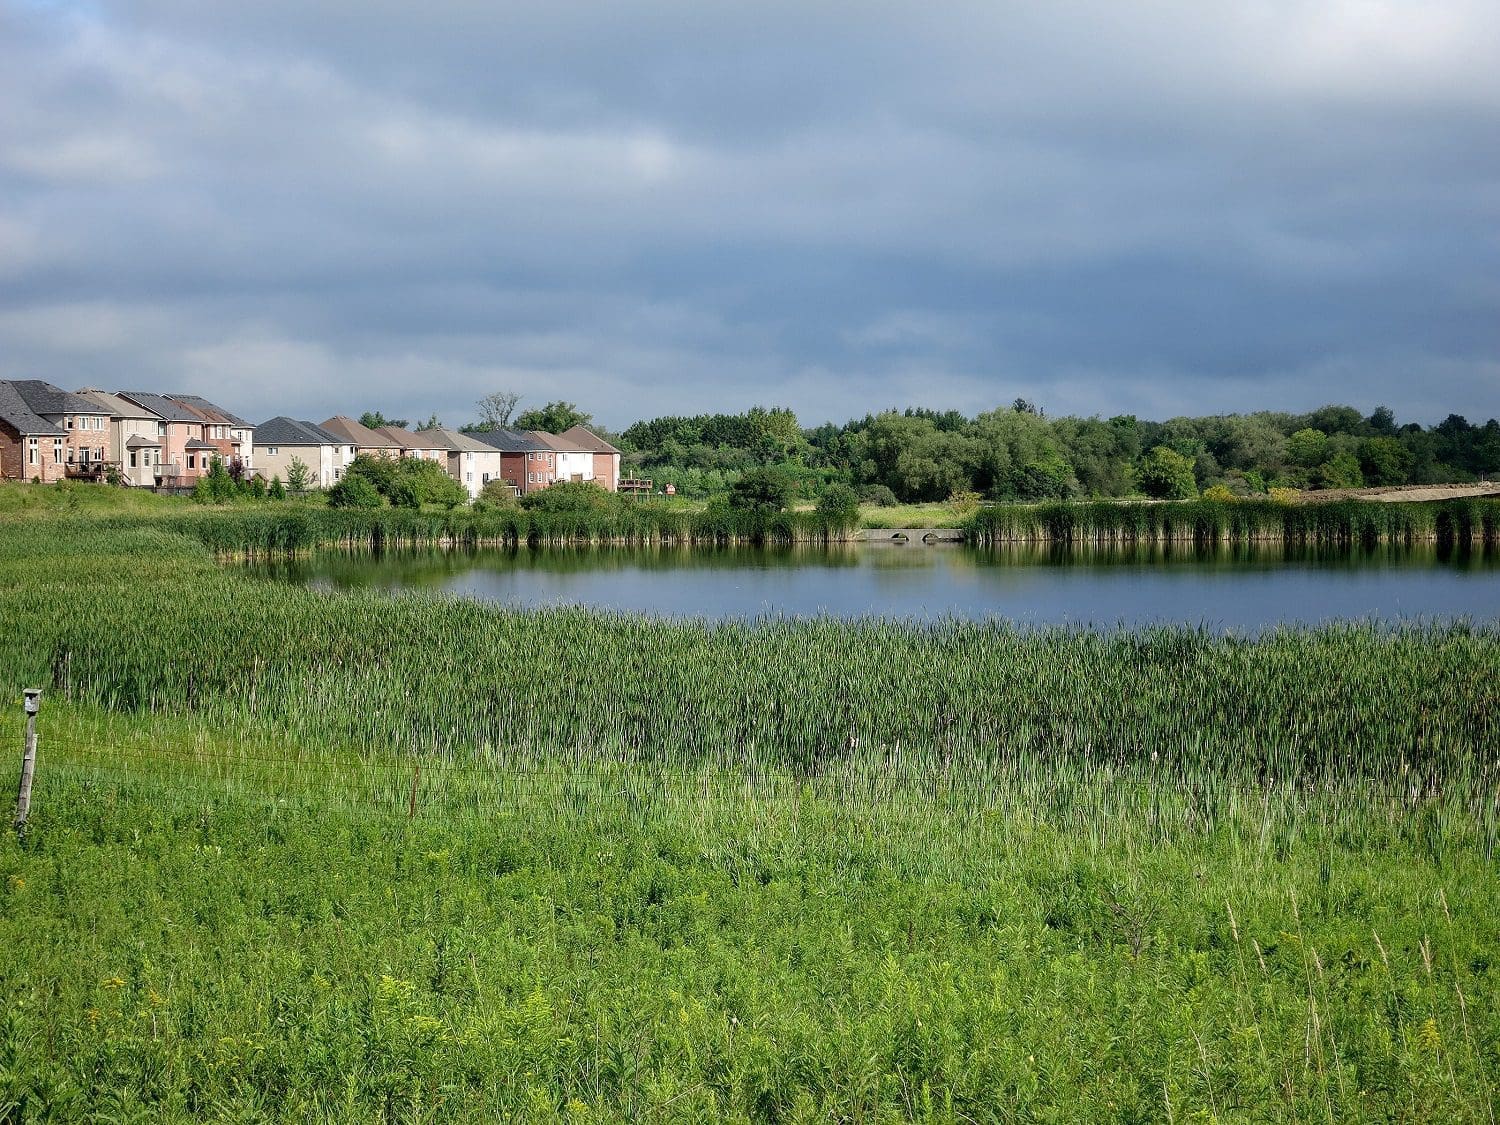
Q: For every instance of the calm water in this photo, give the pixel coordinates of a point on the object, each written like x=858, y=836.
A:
x=1243, y=587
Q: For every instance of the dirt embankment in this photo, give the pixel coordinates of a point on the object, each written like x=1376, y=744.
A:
x=1406, y=493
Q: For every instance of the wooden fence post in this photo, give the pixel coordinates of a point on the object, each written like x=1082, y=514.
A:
x=28, y=758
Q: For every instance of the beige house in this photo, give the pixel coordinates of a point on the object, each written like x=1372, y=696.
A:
x=471, y=462
x=282, y=440
x=419, y=445
x=361, y=438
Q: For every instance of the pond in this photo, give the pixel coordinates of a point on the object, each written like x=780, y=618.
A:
x=1241, y=587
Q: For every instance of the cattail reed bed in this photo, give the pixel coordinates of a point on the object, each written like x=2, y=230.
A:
x=1347, y=521
x=140, y=619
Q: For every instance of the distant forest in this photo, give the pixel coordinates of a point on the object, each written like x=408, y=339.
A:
x=1018, y=453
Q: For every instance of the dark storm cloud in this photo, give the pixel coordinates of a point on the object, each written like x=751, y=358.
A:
x=1167, y=207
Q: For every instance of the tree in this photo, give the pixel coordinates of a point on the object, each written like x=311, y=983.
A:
x=373, y=419
x=1307, y=448
x=1167, y=475
x=354, y=491
x=298, y=475
x=495, y=410
x=1385, y=460
x=554, y=418
x=1341, y=471
x=432, y=423
x=277, y=491
x=761, y=490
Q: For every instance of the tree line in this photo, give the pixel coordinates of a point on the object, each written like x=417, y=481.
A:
x=1018, y=453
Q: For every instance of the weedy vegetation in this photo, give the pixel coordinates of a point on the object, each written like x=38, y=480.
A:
x=305, y=855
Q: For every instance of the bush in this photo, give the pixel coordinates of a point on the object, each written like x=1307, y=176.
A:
x=839, y=506
x=277, y=491
x=964, y=503
x=571, y=496
x=497, y=494
x=761, y=490
x=355, y=492
x=1167, y=475
x=1220, y=493
x=879, y=495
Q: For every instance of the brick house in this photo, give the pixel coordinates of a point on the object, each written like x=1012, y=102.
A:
x=49, y=434
x=232, y=437
x=526, y=463
x=605, y=458
x=471, y=462
x=134, y=443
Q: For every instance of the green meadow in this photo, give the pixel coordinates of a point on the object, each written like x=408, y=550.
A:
x=300, y=855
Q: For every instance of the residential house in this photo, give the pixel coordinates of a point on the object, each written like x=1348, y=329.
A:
x=605, y=468
x=283, y=440
x=186, y=454
x=527, y=463
x=134, y=440
x=418, y=445
x=48, y=434
x=233, y=436
x=471, y=462
x=361, y=439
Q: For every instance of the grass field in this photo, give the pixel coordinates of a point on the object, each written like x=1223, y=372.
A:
x=311, y=856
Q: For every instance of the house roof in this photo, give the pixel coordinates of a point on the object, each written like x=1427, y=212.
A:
x=43, y=399
x=408, y=440
x=15, y=413
x=282, y=430
x=587, y=439
x=215, y=412
x=197, y=444
x=114, y=405
x=168, y=408
x=357, y=434
x=141, y=442
x=457, y=442
x=510, y=441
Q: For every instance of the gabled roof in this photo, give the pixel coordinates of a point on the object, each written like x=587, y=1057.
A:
x=587, y=439
x=282, y=430
x=549, y=441
x=215, y=413
x=20, y=417
x=510, y=441
x=406, y=439
x=43, y=399
x=357, y=434
x=197, y=443
x=456, y=442
x=115, y=405
x=170, y=409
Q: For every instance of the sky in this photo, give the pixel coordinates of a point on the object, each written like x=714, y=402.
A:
x=1164, y=207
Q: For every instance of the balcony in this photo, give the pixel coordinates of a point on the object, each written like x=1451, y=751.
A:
x=91, y=470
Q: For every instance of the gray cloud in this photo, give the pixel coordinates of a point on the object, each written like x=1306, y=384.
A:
x=1168, y=208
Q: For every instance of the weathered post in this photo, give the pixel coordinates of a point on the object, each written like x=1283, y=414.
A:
x=28, y=758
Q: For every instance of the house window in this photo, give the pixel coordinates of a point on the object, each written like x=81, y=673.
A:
x=486, y=478
x=530, y=478
x=31, y=451
x=57, y=451
x=132, y=459
x=161, y=429
x=273, y=450
x=353, y=451
x=192, y=461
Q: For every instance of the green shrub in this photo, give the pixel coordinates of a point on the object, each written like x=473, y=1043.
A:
x=355, y=492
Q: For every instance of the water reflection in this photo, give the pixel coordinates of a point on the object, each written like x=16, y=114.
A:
x=1245, y=585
